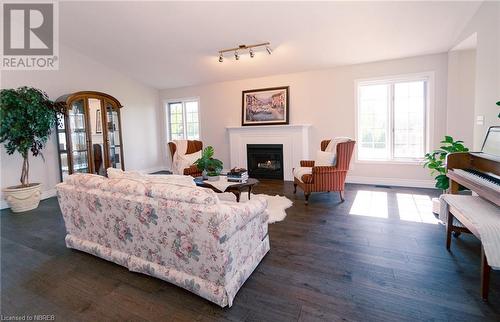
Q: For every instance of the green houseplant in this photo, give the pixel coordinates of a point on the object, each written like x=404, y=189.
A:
x=27, y=117
x=212, y=167
x=436, y=159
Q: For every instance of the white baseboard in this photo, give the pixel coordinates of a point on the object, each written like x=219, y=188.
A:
x=45, y=195
x=412, y=183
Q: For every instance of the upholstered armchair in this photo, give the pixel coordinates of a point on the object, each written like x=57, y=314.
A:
x=192, y=147
x=326, y=178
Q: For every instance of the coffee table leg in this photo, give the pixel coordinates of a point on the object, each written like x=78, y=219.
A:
x=249, y=191
x=237, y=194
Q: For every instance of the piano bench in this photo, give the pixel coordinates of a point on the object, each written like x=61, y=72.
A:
x=479, y=217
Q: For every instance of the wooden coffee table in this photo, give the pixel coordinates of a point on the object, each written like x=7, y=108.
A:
x=237, y=188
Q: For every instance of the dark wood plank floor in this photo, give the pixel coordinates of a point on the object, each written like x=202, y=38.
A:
x=324, y=264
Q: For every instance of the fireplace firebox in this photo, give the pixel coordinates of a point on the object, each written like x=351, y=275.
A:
x=265, y=161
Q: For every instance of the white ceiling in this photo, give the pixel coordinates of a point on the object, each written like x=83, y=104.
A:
x=173, y=44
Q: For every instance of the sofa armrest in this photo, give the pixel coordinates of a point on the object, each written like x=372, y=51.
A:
x=191, y=170
x=307, y=163
x=324, y=169
x=238, y=215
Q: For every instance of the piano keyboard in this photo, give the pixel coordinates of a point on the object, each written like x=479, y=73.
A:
x=486, y=179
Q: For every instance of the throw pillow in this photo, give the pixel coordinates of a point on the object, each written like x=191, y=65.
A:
x=191, y=158
x=324, y=158
x=332, y=146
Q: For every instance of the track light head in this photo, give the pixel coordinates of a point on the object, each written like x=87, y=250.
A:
x=236, y=55
x=221, y=58
x=269, y=51
x=252, y=54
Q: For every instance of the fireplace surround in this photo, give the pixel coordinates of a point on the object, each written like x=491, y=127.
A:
x=293, y=137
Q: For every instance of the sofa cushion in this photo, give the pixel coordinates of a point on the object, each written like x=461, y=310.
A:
x=126, y=186
x=114, y=173
x=186, y=194
x=180, y=180
x=91, y=181
x=175, y=179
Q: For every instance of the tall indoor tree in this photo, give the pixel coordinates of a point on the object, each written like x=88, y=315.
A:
x=27, y=117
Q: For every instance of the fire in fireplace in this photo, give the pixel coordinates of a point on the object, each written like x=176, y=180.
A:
x=265, y=161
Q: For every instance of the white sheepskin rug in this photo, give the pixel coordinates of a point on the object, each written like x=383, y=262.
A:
x=276, y=205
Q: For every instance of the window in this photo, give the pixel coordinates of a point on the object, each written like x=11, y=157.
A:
x=183, y=120
x=392, y=117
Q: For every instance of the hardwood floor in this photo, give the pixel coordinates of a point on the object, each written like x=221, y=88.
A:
x=324, y=264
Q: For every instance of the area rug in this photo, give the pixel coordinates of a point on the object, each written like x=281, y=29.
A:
x=276, y=205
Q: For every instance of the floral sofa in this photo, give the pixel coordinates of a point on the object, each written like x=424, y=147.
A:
x=181, y=234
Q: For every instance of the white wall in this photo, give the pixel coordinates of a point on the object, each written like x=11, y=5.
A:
x=486, y=23
x=460, y=101
x=325, y=99
x=142, y=146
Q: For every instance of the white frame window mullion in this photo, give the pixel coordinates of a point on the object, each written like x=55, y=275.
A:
x=390, y=122
x=184, y=121
x=426, y=116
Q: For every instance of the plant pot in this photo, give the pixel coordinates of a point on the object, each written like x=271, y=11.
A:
x=204, y=174
x=22, y=199
x=435, y=205
x=213, y=178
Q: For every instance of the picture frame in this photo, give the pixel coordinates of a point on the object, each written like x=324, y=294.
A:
x=98, y=121
x=265, y=106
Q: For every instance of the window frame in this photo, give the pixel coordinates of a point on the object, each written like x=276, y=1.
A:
x=183, y=102
x=428, y=77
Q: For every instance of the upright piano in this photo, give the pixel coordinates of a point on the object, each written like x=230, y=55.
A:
x=480, y=173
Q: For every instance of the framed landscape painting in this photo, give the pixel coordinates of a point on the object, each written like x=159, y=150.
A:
x=265, y=106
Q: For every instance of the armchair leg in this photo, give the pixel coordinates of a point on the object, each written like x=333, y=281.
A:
x=341, y=193
x=307, y=194
x=294, y=188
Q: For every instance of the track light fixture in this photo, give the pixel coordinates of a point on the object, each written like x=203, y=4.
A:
x=244, y=47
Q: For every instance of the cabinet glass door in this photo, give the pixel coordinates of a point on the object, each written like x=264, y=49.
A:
x=97, y=136
x=113, y=131
x=63, y=145
x=79, y=140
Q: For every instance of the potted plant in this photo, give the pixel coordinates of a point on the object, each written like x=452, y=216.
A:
x=211, y=167
x=27, y=117
x=436, y=162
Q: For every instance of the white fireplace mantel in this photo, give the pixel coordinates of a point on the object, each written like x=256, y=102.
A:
x=293, y=137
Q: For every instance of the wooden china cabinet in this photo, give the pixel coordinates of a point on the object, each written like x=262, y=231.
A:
x=89, y=136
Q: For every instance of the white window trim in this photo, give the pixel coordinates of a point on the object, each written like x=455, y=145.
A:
x=166, y=114
x=429, y=110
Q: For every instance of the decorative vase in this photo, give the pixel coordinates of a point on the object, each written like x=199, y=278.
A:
x=204, y=174
x=22, y=199
x=213, y=178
